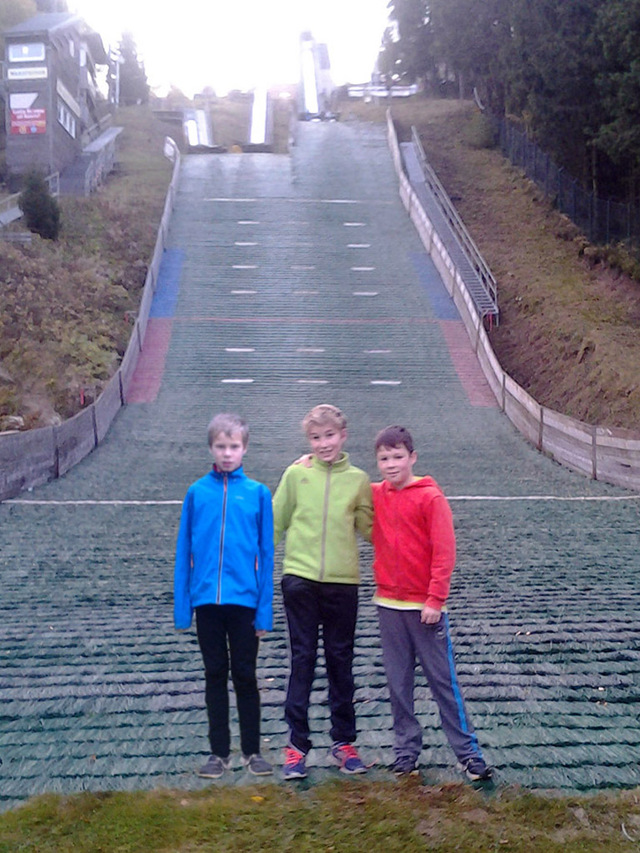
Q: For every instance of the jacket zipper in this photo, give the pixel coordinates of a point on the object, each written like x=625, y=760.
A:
x=221, y=552
x=325, y=513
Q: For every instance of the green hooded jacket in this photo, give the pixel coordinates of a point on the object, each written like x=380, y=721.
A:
x=321, y=508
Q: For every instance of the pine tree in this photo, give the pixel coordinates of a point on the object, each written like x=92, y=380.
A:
x=41, y=210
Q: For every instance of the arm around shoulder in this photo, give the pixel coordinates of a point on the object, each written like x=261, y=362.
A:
x=283, y=504
x=364, y=509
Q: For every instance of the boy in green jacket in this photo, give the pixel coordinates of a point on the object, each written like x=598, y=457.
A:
x=321, y=508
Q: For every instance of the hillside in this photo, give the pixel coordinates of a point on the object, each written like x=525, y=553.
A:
x=569, y=326
x=568, y=330
x=67, y=307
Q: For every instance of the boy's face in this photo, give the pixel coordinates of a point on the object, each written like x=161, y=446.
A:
x=326, y=441
x=228, y=451
x=396, y=465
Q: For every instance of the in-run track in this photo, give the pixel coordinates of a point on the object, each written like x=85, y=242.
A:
x=288, y=282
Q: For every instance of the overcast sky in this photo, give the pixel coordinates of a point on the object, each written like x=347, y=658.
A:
x=235, y=44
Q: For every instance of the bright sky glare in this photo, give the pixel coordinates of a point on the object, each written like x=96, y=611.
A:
x=237, y=44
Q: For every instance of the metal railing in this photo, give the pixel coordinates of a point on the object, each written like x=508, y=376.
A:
x=456, y=224
x=95, y=130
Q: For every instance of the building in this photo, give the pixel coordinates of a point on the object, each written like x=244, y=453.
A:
x=57, y=118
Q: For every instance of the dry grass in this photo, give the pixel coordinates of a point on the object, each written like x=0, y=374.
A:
x=569, y=329
x=67, y=306
x=346, y=816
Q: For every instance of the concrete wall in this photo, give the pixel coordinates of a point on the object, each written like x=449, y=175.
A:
x=35, y=456
x=611, y=455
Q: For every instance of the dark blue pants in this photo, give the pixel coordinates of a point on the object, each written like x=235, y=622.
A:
x=332, y=607
x=226, y=632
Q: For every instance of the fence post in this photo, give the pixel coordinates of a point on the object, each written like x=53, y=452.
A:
x=546, y=176
x=541, y=429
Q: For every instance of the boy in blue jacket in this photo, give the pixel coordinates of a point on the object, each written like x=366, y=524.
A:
x=224, y=572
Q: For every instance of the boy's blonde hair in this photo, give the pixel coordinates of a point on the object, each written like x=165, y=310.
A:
x=228, y=424
x=325, y=413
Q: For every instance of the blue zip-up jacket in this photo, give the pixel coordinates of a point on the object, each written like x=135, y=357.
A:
x=224, y=552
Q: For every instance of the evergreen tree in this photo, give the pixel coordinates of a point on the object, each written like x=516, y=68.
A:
x=41, y=210
x=618, y=29
x=134, y=88
x=410, y=53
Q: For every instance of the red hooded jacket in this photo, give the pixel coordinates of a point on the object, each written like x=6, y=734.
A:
x=414, y=542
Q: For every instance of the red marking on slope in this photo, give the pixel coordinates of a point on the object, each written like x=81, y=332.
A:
x=146, y=379
x=466, y=364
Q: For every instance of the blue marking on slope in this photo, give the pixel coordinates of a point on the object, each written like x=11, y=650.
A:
x=168, y=284
x=442, y=304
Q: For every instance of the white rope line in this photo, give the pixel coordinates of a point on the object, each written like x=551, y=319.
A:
x=25, y=502
x=478, y=498
x=566, y=498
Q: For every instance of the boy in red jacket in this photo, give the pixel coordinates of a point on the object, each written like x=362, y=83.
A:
x=415, y=551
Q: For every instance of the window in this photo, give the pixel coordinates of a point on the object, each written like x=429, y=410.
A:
x=32, y=52
x=66, y=118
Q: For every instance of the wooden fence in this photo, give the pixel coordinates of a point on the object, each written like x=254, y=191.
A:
x=602, y=453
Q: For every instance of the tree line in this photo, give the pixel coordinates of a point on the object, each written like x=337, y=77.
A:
x=567, y=70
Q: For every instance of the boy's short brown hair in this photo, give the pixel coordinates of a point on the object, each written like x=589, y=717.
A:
x=324, y=413
x=394, y=436
x=227, y=423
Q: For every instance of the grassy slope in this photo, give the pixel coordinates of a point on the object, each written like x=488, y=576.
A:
x=568, y=331
x=67, y=306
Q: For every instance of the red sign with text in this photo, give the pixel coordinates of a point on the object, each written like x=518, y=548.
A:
x=28, y=121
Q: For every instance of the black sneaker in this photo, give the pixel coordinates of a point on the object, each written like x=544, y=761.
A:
x=476, y=769
x=405, y=767
x=257, y=765
x=215, y=767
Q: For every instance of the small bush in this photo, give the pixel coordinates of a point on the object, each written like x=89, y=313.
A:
x=481, y=132
x=41, y=210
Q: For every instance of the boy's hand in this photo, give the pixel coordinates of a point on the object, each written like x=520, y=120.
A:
x=430, y=615
x=304, y=460
x=261, y=633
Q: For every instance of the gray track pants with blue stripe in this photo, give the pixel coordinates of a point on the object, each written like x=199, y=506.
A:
x=404, y=638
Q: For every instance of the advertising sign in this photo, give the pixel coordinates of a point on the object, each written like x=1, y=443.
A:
x=28, y=121
x=39, y=73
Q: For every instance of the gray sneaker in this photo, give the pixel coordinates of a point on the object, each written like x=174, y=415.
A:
x=405, y=767
x=257, y=765
x=215, y=767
